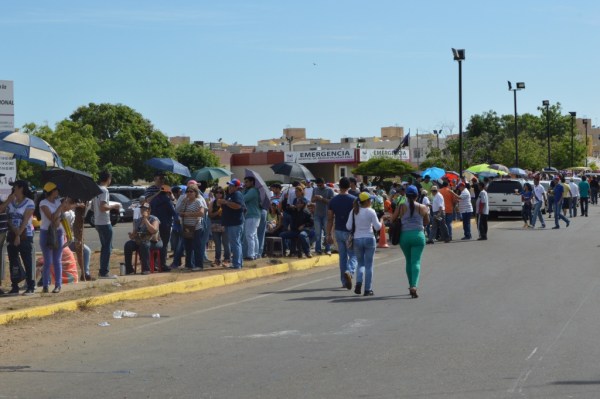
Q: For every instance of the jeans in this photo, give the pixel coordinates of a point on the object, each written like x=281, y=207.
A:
x=573, y=207
x=51, y=257
x=86, y=256
x=193, y=247
x=364, y=248
x=221, y=246
x=537, y=212
x=261, y=231
x=584, y=205
x=235, y=244
x=594, y=195
x=164, y=230
x=176, y=239
x=466, y=219
x=320, y=224
x=19, y=253
x=449, y=220
x=143, y=249
x=303, y=237
x=526, y=213
x=347, y=256
x=251, y=236
x=558, y=214
x=412, y=243
x=204, y=239
x=438, y=225
x=105, y=232
x=482, y=223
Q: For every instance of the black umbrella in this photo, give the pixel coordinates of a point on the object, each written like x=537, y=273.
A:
x=293, y=170
x=72, y=183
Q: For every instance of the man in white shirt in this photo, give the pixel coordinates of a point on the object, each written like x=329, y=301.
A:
x=574, y=198
x=438, y=220
x=482, y=209
x=466, y=209
x=539, y=198
x=102, y=209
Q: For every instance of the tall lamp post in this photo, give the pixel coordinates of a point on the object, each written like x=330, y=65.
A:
x=459, y=55
x=585, y=122
x=546, y=103
x=520, y=86
x=437, y=136
x=573, y=115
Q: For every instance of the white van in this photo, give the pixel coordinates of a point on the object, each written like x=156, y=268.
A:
x=504, y=197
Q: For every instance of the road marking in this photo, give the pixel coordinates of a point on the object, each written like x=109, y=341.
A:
x=347, y=329
x=532, y=353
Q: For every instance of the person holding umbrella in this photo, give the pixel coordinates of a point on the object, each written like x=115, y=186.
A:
x=51, y=210
x=161, y=206
x=253, y=215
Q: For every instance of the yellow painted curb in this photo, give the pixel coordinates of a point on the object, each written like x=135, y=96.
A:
x=178, y=287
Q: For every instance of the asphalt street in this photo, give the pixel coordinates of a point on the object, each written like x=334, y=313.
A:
x=516, y=316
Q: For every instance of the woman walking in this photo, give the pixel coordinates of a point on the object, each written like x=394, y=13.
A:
x=412, y=239
x=362, y=220
x=527, y=197
x=191, y=210
x=51, y=235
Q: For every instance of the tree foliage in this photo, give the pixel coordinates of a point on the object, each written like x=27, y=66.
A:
x=383, y=167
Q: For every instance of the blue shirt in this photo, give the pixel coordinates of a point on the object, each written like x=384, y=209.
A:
x=230, y=216
x=162, y=207
x=341, y=205
x=558, y=192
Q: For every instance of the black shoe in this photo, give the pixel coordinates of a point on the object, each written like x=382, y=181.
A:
x=45, y=290
x=556, y=227
x=369, y=293
x=28, y=292
x=429, y=242
x=90, y=278
x=358, y=288
x=481, y=239
x=146, y=272
x=14, y=291
x=348, y=280
x=165, y=269
x=568, y=223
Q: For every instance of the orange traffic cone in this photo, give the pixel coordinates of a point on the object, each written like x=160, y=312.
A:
x=382, y=238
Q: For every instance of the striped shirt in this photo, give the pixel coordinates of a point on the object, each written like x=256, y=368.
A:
x=194, y=206
x=464, y=202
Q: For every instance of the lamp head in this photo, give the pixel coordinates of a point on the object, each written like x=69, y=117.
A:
x=573, y=113
x=459, y=54
x=520, y=85
x=509, y=86
x=545, y=103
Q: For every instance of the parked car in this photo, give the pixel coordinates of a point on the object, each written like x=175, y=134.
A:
x=115, y=215
x=125, y=203
x=131, y=192
x=504, y=197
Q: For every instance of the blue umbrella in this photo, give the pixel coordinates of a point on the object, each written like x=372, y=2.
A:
x=168, y=165
x=29, y=148
x=518, y=171
x=263, y=189
x=434, y=173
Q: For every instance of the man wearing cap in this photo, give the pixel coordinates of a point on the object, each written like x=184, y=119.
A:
x=450, y=200
x=321, y=197
x=558, y=201
x=162, y=207
x=143, y=237
x=337, y=215
x=438, y=221
x=232, y=218
x=101, y=207
x=252, y=218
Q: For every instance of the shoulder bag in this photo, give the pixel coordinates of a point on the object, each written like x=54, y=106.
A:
x=350, y=239
x=187, y=231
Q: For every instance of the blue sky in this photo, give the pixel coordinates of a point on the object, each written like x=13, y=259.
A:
x=245, y=70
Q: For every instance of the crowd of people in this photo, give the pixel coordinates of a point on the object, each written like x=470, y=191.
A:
x=309, y=218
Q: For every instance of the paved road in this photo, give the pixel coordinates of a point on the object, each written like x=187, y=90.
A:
x=513, y=317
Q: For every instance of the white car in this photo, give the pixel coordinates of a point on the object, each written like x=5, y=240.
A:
x=115, y=215
x=504, y=196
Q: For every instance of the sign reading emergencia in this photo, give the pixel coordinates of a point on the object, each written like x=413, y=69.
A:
x=366, y=154
x=316, y=156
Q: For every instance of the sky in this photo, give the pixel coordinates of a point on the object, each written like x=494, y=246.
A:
x=243, y=71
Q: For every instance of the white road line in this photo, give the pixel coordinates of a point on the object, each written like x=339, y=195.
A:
x=532, y=353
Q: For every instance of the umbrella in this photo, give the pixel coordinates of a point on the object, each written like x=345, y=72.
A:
x=497, y=166
x=450, y=175
x=168, y=165
x=488, y=174
x=29, y=148
x=210, y=173
x=483, y=167
x=263, y=189
x=72, y=183
x=518, y=172
x=434, y=173
x=293, y=170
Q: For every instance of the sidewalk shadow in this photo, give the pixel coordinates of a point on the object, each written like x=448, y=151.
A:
x=346, y=298
x=302, y=291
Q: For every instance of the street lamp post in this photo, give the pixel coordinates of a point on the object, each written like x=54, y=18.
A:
x=585, y=122
x=573, y=115
x=289, y=140
x=437, y=137
x=546, y=103
x=520, y=86
x=459, y=55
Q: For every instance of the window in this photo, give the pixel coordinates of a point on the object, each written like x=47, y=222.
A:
x=342, y=171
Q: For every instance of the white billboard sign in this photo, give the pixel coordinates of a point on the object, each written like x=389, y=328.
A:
x=7, y=106
x=8, y=168
x=366, y=154
x=319, y=156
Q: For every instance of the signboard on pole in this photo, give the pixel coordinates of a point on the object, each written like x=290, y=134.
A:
x=320, y=156
x=7, y=106
x=366, y=154
x=8, y=168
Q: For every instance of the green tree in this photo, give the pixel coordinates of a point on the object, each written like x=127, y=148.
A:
x=195, y=156
x=383, y=167
x=125, y=137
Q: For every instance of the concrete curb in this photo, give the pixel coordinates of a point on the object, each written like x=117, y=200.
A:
x=178, y=287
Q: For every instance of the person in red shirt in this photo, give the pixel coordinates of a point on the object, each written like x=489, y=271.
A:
x=449, y=203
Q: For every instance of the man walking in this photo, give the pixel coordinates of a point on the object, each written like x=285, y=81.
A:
x=321, y=197
x=337, y=215
x=539, y=198
x=574, y=188
x=483, y=211
x=584, y=194
x=594, y=187
x=559, y=190
x=103, y=226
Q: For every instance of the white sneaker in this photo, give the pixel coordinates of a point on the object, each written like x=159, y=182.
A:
x=109, y=276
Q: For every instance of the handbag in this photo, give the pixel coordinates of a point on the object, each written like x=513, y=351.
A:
x=188, y=231
x=350, y=239
x=217, y=228
x=52, y=238
x=395, y=231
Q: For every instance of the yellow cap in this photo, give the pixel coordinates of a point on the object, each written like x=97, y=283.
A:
x=48, y=187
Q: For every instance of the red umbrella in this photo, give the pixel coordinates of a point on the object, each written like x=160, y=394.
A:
x=452, y=176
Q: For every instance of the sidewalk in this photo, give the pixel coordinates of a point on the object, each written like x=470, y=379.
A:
x=84, y=295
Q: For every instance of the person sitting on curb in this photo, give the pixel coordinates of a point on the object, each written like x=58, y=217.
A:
x=144, y=237
x=301, y=226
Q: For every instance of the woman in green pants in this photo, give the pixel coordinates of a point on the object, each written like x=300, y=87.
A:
x=412, y=240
